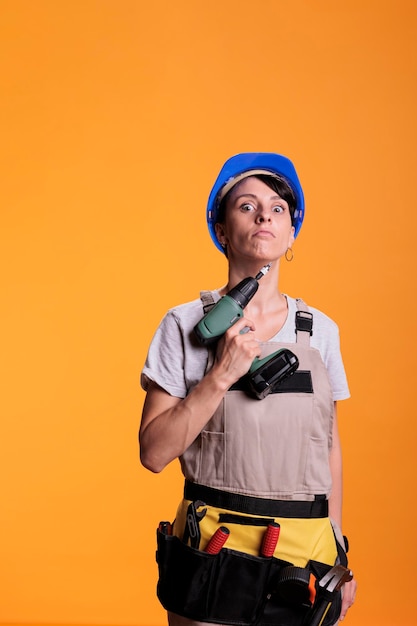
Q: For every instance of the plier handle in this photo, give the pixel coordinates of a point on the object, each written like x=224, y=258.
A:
x=192, y=528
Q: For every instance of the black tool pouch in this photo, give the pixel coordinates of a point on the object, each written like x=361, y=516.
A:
x=233, y=587
x=230, y=587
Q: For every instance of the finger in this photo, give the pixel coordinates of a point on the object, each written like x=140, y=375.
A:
x=344, y=610
x=241, y=327
x=348, y=598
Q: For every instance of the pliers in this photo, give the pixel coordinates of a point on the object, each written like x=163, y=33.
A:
x=192, y=528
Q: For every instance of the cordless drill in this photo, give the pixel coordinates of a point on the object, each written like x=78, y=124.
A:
x=264, y=374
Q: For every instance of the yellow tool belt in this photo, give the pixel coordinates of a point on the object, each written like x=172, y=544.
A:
x=306, y=531
x=239, y=585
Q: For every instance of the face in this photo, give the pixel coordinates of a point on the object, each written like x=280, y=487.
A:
x=257, y=222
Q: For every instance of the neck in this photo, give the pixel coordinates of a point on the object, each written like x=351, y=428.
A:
x=268, y=291
x=268, y=309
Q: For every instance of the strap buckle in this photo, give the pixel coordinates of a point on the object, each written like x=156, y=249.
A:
x=304, y=322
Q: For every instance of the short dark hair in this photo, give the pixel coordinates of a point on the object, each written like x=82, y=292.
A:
x=276, y=183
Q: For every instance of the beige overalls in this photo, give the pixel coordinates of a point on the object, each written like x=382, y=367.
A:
x=274, y=452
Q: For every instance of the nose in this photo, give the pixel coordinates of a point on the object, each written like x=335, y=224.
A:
x=263, y=215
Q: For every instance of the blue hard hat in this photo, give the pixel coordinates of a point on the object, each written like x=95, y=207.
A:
x=241, y=165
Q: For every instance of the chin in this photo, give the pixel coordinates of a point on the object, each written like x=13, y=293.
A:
x=267, y=252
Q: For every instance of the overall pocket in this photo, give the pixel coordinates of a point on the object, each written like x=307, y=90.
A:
x=240, y=587
x=230, y=587
x=185, y=576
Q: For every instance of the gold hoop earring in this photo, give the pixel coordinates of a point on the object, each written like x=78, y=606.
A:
x=289, y=255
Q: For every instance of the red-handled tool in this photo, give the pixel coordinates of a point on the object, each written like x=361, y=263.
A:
x=270, y=539
x=218, y=540
x=165, y=528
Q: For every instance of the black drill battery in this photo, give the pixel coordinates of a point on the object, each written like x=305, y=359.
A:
x=266, y=374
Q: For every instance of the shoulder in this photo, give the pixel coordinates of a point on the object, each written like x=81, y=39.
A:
x=321, y=321
x=188, y=314
x=325, y=335
x=184, y=310
x=179, y=321
x=175, y=360
x=326, y=340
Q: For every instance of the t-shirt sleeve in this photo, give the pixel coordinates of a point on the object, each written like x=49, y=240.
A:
x=335, y=367
x=164, y=363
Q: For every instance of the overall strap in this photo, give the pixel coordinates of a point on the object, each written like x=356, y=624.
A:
x=303, y=323
x=207, y=300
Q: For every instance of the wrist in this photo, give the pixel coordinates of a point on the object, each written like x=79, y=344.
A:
x=219, y=379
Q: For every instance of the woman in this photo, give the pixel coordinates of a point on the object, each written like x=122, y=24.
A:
x=249, y=462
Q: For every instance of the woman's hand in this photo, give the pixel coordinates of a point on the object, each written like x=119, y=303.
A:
x=236, y=351
x=348, y=597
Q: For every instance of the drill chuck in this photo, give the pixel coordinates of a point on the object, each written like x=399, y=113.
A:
x=243, y=293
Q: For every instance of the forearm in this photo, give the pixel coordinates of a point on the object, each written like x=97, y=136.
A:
x=172, y=431
x=170, y=425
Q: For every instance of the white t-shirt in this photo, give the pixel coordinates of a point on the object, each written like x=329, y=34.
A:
x=176, y=361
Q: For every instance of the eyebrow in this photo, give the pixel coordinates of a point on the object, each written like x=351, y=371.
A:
x=255, y=197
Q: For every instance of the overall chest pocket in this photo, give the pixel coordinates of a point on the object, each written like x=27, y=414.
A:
x=267, y=442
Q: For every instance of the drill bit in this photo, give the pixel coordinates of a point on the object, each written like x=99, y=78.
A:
x=263, y=271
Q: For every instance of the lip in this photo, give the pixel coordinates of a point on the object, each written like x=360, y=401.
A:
x=263, y=233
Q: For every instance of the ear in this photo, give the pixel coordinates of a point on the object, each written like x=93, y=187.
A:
x=220, y=233
x=291, y=238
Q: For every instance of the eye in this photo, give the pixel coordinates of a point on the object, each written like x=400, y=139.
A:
x=278, y=208
x=246, y=207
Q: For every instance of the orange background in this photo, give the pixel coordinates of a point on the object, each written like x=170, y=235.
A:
x=116, y=117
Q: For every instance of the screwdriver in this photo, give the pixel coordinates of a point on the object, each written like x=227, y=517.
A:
x=270, y=539
x=218, y=540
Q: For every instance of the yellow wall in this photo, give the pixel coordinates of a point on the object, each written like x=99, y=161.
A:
x=116, y=117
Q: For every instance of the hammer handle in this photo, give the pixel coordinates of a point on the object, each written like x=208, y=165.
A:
x=319, y=613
